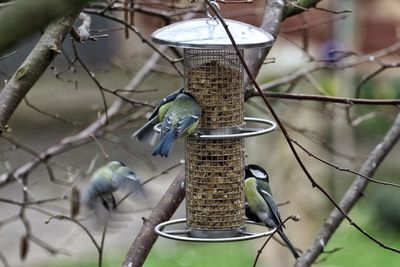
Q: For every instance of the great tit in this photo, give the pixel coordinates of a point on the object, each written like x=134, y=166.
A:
x=260, y=207
x=108, y=179
x=147, y=134
x=181, y=119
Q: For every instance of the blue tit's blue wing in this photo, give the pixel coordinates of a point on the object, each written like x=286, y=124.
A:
x=165, y=126
x=272, y=206
x=126, y=179
x=185, y=123
x=168, y=98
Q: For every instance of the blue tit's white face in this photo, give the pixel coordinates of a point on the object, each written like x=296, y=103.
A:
x=115, y=165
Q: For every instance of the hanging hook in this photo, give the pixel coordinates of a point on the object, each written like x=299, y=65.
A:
x=208, y=10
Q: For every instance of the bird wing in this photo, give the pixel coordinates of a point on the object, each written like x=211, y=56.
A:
x=185, y=123
x=165, y=100
x=147, y=134
x=272, y=206
x=165, y=126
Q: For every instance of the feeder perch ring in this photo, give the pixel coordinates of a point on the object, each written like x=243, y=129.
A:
x=182, y=235
x=233, y=132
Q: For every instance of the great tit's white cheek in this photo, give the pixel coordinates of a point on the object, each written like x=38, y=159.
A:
x=258, y=174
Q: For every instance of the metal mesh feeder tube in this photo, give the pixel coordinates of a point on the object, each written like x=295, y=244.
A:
x=214, y=154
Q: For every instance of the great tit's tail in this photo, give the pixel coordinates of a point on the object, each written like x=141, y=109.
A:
x=165, y=144
x=288, y=243
x=147, y=134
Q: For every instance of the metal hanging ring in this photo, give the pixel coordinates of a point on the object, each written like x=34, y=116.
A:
x=209, y=11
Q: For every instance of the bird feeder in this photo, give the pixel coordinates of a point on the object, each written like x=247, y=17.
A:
x=214, y=153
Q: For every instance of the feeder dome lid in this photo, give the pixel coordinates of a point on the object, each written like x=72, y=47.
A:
x=210, y=33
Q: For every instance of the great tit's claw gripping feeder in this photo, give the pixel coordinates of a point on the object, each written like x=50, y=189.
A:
x=214, y=154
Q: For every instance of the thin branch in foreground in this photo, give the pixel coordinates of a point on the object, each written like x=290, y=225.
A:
x=143, y=39
x=262, y=248
x=44, y=161
x=48, y=114
x=352, y=195
x=291, y=217
x=3, y=259
x=328, y=99
x=63, y=217
x=329, y=253
x=365, y=79
x=343, y=169
x=8, y=55
x=94, y=79
x=53, y=251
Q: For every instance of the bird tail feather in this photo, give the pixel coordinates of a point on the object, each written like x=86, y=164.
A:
x=165, y=144
x=147, y=134
x=288, y=244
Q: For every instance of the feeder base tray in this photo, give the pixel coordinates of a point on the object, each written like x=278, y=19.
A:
x=195, y=235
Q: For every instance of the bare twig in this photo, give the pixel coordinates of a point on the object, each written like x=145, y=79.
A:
x=344, y=169
x=262, y=248
x=365, y=79
x=328, y=99
x=332, y=222
x=7, y=55
x=103, y=239
x=291, y=217
x=63, y=217
x=343, y=63
x=54, y=116
x=43, y=160
x=3, y=259
x=145, y=40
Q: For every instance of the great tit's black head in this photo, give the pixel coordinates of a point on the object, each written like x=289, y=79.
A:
x=256, y=171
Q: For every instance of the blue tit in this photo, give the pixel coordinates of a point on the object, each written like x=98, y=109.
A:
x=147, y=134
x=260, y=207
x=180, y=120
x=108, y=179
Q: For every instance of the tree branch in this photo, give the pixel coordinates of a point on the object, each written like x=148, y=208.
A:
x=275, y=13
x=94, y=129
x=165, y=208
x=33, y=67
x=352, y=195
x=13, y=26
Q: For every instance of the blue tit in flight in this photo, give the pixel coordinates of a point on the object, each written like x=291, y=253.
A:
x=147, y=134
x=180, y=120
x=260, y=206
x=108, y=179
